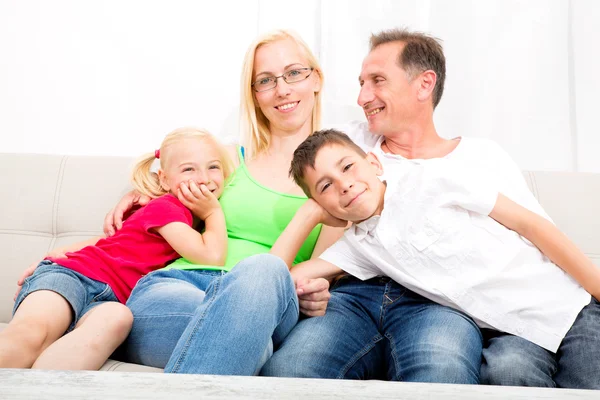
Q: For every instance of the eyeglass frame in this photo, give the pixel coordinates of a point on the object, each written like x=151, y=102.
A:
x=283, y=77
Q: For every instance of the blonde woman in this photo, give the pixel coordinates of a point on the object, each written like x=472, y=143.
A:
x=225, y=320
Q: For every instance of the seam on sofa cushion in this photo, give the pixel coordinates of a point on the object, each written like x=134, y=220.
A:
x=114, y=366
x=534, y=186
x=46, y=234
x=59, y=180
x=13, y=232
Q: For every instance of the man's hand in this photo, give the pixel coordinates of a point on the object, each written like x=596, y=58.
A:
x=114, y=219
x=313, y=296
x=198, y=199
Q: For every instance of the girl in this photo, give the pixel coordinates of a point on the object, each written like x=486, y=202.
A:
x=82, y=289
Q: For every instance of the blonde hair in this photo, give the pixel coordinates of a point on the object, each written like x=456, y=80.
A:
x=254, y=125
x=147, y=182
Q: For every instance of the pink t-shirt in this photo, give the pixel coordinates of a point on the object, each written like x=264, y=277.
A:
x=135, y=250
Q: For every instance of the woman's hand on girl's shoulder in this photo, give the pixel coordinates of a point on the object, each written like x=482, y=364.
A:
x=114, y=219
x=198, y=199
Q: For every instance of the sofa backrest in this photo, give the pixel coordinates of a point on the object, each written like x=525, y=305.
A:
x=51, y=200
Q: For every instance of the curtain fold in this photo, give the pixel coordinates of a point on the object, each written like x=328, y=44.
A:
x=113, y=77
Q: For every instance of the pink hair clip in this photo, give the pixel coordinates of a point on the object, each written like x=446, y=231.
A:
x=157, y=153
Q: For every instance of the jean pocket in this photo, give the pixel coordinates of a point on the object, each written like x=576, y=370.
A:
x=104, y=295
x=340, y=280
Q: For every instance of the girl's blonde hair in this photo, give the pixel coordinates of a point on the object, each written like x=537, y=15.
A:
x=147, y=182
x=254, y=125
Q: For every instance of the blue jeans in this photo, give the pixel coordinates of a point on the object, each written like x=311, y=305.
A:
x=511, y=360
x=377, y=329
x=210, y=322
x=82, y=293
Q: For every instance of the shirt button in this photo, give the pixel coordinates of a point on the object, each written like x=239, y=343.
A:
x=519, y=330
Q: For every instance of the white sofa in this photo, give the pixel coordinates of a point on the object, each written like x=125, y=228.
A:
x=52, y=200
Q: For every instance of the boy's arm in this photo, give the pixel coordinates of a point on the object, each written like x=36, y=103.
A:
x=315, y=268
x=311, y=288
x=550, y=240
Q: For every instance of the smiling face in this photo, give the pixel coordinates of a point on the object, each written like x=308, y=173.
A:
x=388, y=96
x=345, y=183
x=289, y=106
x=191, y=159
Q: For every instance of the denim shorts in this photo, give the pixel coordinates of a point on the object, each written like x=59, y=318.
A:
x=81, y=292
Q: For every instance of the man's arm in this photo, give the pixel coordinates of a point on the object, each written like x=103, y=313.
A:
x=550, y=240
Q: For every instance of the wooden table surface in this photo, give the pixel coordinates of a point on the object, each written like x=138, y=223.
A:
x=21, y=384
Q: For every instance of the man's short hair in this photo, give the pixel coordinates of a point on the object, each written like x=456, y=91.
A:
x=306, y=154
x=421, y=52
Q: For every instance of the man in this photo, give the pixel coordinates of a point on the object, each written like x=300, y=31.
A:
x=402, y=81
x=379, y=329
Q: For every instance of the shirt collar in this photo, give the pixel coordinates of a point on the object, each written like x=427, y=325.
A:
x=367, y=227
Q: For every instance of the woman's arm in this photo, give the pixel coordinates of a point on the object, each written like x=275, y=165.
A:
x=550, y=240
x=313, y=293
x=328, y=236
x=309, y=215
x=58, y=252
x=114, y=219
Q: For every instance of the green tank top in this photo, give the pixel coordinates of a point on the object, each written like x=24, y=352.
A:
x=255, y=217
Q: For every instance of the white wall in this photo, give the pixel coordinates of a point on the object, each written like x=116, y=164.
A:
x=114, y=76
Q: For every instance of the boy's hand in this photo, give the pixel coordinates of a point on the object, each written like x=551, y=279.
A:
x=313, y=296
x=324, y=217
x=114, y=219
x=198, y=199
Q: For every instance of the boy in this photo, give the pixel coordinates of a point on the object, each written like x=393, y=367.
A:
x=441, y=231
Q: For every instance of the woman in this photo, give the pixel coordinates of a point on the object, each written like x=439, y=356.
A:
x=205, y=319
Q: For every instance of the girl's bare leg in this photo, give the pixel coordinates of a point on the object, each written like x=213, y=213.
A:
x=97, y=334
x=40, y=320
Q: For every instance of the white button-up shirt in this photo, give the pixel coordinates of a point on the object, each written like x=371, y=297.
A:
x=435, y=237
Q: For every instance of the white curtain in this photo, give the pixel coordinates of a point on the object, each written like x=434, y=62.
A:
x=114, y=76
